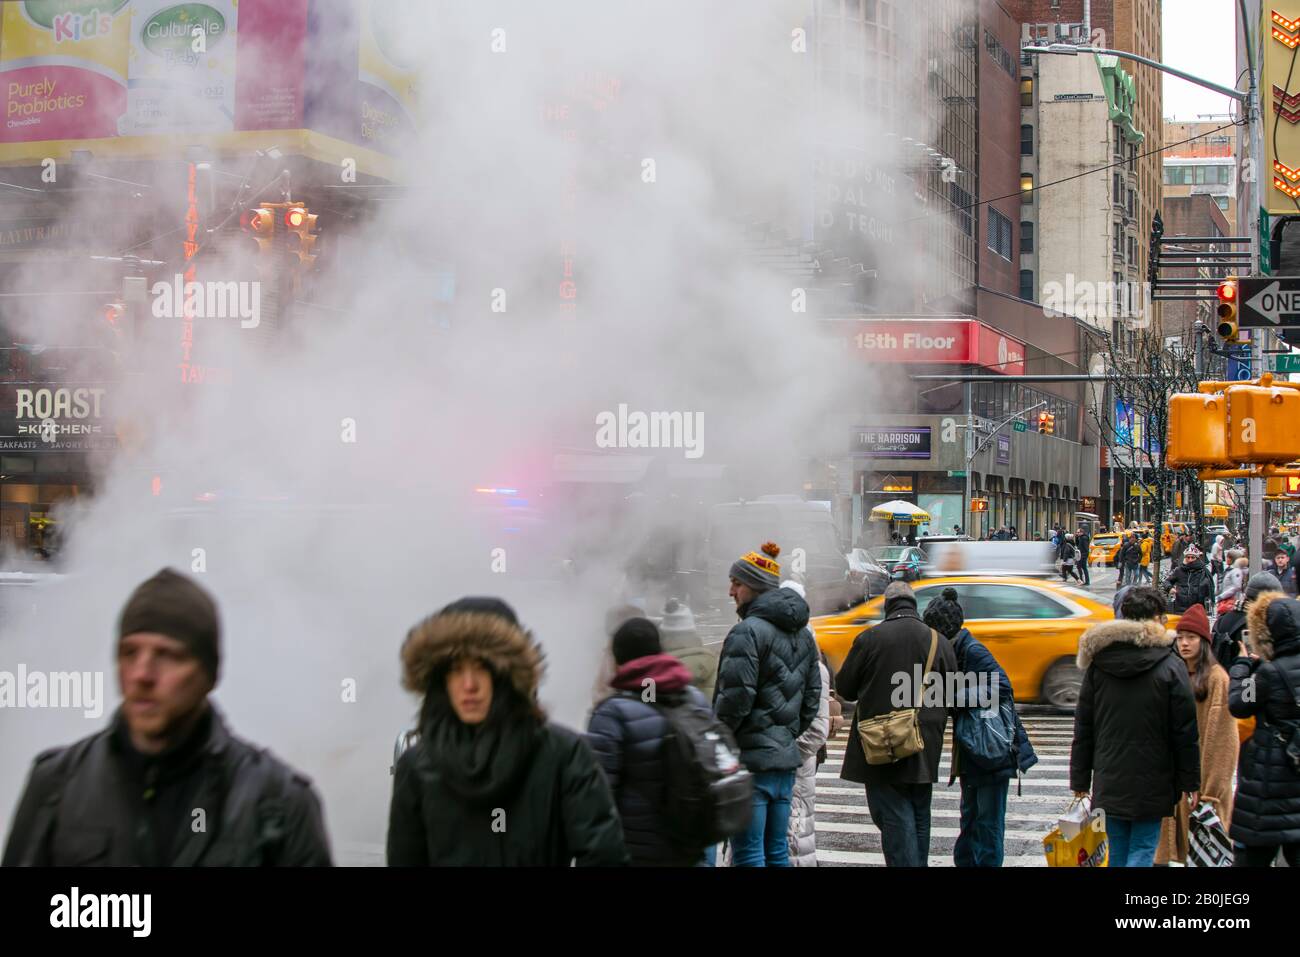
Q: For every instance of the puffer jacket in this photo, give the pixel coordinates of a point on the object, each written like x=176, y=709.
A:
x=768, y=686
x=973, y=659
x=1135, y=743
x=897, y=646
x=1266, y=809
x=79, y=810
x=627, y=735
x=539, y=798
x=701, y=662
x=802, y=832
x=1192, y=584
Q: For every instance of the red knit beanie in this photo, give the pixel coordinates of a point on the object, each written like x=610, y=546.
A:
x=1196, y=621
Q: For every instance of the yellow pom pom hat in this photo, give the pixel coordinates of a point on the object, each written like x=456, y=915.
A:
x=759, y=570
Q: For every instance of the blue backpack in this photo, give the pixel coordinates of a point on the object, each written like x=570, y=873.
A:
x=987, y=737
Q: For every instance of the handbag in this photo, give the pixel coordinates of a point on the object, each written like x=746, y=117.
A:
x=1079, y=839
x=1207, y=840
x=889, y=738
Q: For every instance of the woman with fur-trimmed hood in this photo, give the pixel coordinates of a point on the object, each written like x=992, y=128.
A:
x=1265, y=684
x=1135, y=742
x=491, y=781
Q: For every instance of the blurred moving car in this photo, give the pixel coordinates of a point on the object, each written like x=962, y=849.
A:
x=902, y=562
x=1011, y=557
x=866, y=572
x=1031, y=626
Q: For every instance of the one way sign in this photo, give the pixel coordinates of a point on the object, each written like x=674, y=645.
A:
x=1269, y=302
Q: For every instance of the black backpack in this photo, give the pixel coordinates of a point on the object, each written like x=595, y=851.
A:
x=710, y=794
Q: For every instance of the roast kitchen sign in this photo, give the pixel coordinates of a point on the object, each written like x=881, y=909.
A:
x=52, y=414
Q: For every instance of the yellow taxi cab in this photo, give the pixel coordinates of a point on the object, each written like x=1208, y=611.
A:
x=1030, y=625
x=1104, y=549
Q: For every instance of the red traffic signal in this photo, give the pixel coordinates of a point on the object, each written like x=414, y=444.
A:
x=295, y=216
x=1227, y=327
x=1227, y=291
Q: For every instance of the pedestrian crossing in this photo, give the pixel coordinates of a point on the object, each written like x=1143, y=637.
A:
x=846, y=837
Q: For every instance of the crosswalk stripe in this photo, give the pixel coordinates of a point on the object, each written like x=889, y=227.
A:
x=876, y=859
x=839, y=752
x=841, y=827
x=955, y=813
x=1029, y=781
x=941, y=793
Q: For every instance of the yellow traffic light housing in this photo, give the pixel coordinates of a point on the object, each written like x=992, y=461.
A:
x=1264, y=424
x=300, y=223
x=259, y=222
x=1198, y=431
x=1051, y=423
x=1227, y=327
x=1043, y=418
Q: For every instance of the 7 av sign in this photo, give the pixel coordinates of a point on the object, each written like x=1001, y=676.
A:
x=1269, y=302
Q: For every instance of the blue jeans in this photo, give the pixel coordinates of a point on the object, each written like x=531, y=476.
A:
x=983, y=825
x=1132, y=843
x=901, y=812
x=765, y=843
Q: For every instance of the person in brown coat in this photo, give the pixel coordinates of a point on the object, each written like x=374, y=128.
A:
x=1216, y=728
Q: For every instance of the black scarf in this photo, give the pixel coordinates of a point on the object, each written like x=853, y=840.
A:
x=485, y=762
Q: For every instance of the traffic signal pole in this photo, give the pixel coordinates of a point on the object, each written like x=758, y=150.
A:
x=1250, y=107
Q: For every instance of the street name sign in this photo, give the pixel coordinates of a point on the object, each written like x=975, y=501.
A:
x=1269, y=302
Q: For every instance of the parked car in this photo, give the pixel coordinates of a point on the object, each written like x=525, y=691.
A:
x=871, y=576
x=903, y=562
x=1031, y=626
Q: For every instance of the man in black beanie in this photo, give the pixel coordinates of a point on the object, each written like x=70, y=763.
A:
x=166, y=784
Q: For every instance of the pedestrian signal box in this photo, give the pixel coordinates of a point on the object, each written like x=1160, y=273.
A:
x=979, y=505
x=1198, y=431
x=1264, y=424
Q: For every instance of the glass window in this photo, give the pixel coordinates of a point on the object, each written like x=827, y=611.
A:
x=1026, y=187
x=1012, y=601
x=1026, y=237
x=1026, y=140
x=1027, y=285
x=1027, y=91
x=1221, y=202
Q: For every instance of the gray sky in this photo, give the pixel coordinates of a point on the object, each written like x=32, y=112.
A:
x=1198, y=38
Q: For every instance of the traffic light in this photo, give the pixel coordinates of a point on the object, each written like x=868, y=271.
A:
x=979, y=505
x=299, y=221
x=1227, y=294
x=259, y=222
x=1198, y=431
x=113, y=313
x=1046, y=423
x=1265, y=424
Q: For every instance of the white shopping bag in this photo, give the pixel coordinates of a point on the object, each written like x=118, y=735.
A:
x=1078, y=815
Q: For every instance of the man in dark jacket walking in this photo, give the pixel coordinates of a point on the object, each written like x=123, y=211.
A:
x=627, y=733
x=491, y=781
x=1286, y=575
x=881, y=660
x=983, y=788
x=1083, y=542
x=1264, y=683
x=166, y=784
x=1129, y=559
x=768, y=692
x=1135, y=737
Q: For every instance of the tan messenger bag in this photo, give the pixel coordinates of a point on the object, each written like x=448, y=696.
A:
x=889, y=738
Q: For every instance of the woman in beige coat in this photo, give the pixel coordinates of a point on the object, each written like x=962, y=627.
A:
x=1216, y=730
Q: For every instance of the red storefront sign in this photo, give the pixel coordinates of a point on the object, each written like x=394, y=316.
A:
x=937, y=341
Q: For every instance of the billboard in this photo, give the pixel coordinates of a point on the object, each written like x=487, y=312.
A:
x=1279, y=93
x=94, y=69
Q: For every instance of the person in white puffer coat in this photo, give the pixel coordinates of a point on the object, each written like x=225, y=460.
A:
x=803, y=801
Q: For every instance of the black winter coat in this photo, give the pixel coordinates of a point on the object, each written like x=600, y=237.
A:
x=1266, y=809
x=81, y=808
x=627, y=736
x=896, y=646
x=560, y=812
x=1228, y=631
x=769, y=686
x=1194, y=586
x=1135, y=739
x=974, y=659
